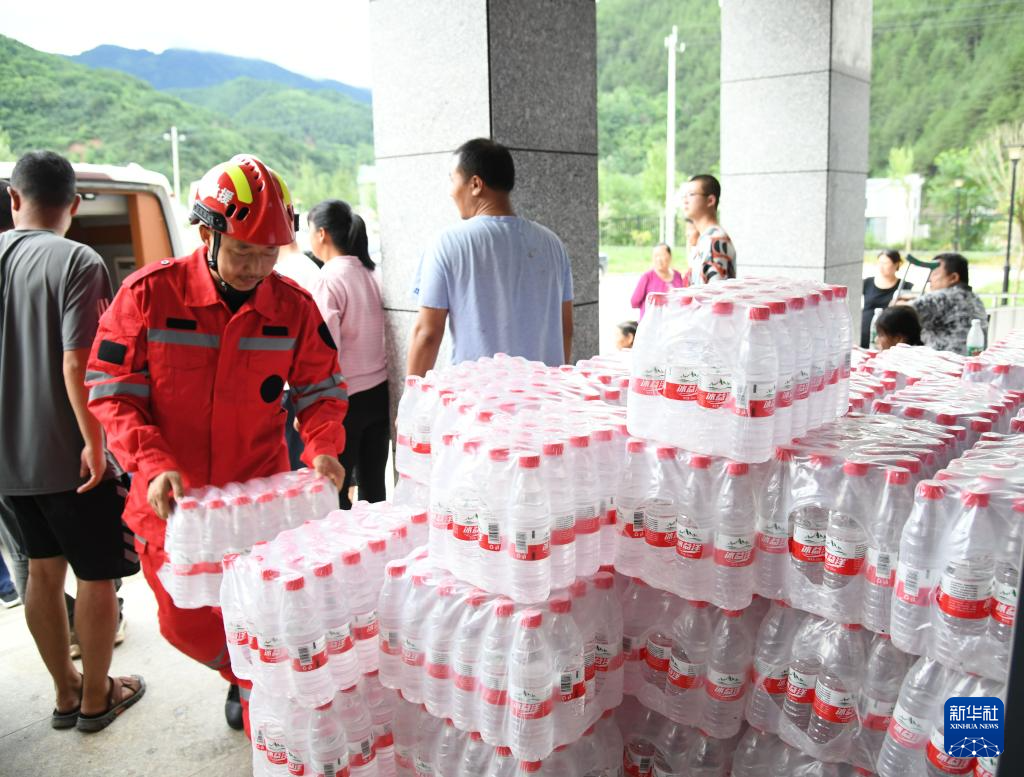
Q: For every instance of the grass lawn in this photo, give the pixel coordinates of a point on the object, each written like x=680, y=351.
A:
x=626, y=259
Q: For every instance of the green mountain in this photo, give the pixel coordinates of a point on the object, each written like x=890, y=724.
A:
x=106, y=117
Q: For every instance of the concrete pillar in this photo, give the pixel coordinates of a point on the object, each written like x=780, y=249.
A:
x=523, y=72
x=796, y=79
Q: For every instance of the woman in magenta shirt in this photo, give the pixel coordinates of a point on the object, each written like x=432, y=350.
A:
x=661, y=277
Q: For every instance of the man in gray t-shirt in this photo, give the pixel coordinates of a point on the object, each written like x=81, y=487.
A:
x=55, y=473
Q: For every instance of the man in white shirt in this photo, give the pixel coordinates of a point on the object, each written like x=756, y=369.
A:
x=716, y=255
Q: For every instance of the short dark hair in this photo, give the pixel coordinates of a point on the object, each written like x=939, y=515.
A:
x=628, y=328
x=44, y=178
x=955, y=263
x=709, y=185
x=489, y=160
x=900, y=321
x=6, y=220
x=893, y=256
x=666, y=246
x=345, y=227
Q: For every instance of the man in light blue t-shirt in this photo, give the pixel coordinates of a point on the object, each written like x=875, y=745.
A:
x=503, y=283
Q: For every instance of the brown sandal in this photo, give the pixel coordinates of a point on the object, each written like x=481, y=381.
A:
x=93, y=723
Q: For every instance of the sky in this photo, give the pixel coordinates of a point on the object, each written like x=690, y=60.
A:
x=318, y=38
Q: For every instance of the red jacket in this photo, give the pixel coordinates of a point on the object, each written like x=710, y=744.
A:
x=181, y=383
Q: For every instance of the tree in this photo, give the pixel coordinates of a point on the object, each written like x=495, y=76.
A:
x=5, y=147
x=992, y=167
x=901, y=169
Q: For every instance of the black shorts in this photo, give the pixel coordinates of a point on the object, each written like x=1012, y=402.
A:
x=84, y=528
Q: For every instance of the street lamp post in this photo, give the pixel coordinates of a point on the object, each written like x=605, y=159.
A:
x=1014, y=153
x=673, y=45
x=175, y=138
x=959, y=185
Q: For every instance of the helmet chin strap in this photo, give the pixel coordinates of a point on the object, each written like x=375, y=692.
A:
x=211, y=261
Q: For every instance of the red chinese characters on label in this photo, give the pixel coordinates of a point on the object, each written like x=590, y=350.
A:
x=724, y=686
x=529, y=704
x=802, y=388
x=1004, y=603
x=366, y=625
x=734, y=550
x=493, y=685
x=784, y=396
x=563, y=529
x=907, y=729
x=771, y=678
x=714, y=387
x=657, y=655
x=833, y=704
x=237, y=634
x=607, y=656
x=272, y=650
x=339, y=640
x=660, y=530
x=437, y=664
x=531, y=545
x=817, y=380
x=588, y=520
x=755, y=400
x=440, y=520
x=800, y=687
x=844, y=557
x=684, y=674
x=944, y=762
x=691, y=541
x=465, y=527
x=808, y=545
x=650, y=384
x=970, y=600
x=681, y=383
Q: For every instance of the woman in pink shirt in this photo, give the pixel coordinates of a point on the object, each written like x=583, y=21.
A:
x=348, y=296
x=661, y=277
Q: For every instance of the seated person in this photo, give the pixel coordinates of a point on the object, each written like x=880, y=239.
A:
x=947, y=310
x=898, y=325
x=627, y=331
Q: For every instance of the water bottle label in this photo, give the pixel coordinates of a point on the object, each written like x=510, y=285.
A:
x=403, y=757
x=237, y=634
x=881, y=569
x=986, y=767
x=802, y=389
x=650, y=384
x=817, y=378
x=770, y=677
x=420, y=446
x=632, y=648
x=807, y=545
x=974, y=350
x=277, y=751
x=422, y=768
x=657, y=655
x=572, y=686
x=272, y=650
x=734, y=550
x=1004, y=603
x=970, y=600
x=390, y=642
x=833, y=375
x=914, y=586
x=383, y=736
x=589, y=661
x=412, y=651
x=607, y=656
x=531, y=545
x=610, y=516
x=465, y=673
x=403, y=440
x=755, y=400
x=465, y=526
x=800, y=686
x=845, y=367
x=587, y=519
x=339, y=639
x=336, y=768
x=634, y=527
x=361, y=753
x=366, y=625
x=437, y=663
x=309, y=655
x=261, y=739
x=713, y=388
x=784, y=397
x=490, y=534
x=440, y=519
x=529, y=703
x=493, y=682
x=844, y=557
x=296, y=766
x=563, y=529
x=685, y=675
x=681, y=383
x=725, y=686
x=908, y=730
x=877, y=713
x=691, y=541
x=660, y=530
x=943, y=762
x=637, y=760
x=834, y=705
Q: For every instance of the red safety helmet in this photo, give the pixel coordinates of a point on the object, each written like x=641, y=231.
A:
x=246, y=200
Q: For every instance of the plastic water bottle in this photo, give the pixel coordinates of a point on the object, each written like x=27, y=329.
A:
x=269, y=642
x=1005, y=589
x=907, y=735
x=494, y=672
x=884, y=672
x=608, y=632
x=841, y=317
x=475, y=756
x=773, y=531
x=392, y=597
x=466, y=650
x=448, y=755
x=756, y=753
x=708, y=757
x=728, y=670
x=441, y=477
x=609, y=453
x=465, y=504
x=695, y=526
x=363, y=601
x=560, y=488
x=587, y=503
x=803, y=352
x=570, y=687
x=414, y=615
x=884, y=530
x=964, y=599
x=328, y=746
x=583, y=614
x=834, y=711
x=332, y=608
x=307, y=647
x=494, y=561
x=359, y=732
x=714, y=380
x=734, y=539
x=382, y=708
x=529, y=534
x=233, y=607
x=975, y=338
x=687, y=666
x=425, y=747
x=819, y=360
x=634, y=489
x=639, y=611
x=529, y=688
x=754, y=389
x=917, y=570
x=648, y=381
x=404, y=424
x=804, y=668
x=782, y=429
x=438, y=633
x=771, y=666
x=846, y=546
x=683, y=345
x=660, y=517
x=807, y=548
x=833, y=369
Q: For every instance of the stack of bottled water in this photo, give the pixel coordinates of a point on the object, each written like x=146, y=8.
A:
x=426, y=745
x=865, y=388
x=209, y=522
x=908, y=364
x=530, y=678
x=300, y=612
x=736, y=368
x=1001, y=365
x=348, y=734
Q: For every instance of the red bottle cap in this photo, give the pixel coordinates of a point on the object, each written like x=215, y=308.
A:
x=897, y=476
x=721, y=308
x=295, y=583
x=759, y=313
x=560, y=605
x=737, y=468
x=699, y=461
x=604, y=581
x=666, y=452
x=504, y=608
x=531, y=619
x=931, y=490
x=580, y=441
x=553, y=449
x=529, y=461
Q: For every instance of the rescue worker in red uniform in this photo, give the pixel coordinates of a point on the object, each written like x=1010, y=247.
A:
x=186, y=376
